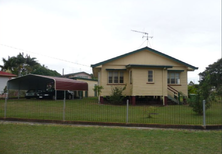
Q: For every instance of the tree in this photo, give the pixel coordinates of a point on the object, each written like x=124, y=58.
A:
x=43, y=70
x=192, y=89
x=20, y=65
x=211, y=79
x=210, y=87
x=9, y=64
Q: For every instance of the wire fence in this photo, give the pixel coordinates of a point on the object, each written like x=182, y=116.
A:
x=89, y=110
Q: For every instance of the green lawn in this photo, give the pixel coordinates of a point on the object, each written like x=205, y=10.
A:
x=26, y=138
x=88, y=109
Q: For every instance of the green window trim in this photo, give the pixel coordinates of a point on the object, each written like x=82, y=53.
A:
x=150, y=76
x=173, y=78
x=115, y=77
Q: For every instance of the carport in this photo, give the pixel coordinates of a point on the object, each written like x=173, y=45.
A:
x=33, y=81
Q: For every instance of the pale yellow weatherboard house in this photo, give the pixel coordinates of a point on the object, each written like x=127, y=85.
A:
x=145, y=72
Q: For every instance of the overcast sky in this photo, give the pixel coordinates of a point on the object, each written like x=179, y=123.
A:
x=74, y=34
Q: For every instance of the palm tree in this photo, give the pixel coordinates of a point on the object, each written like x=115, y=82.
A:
x=29, y=64
x=9, y=64
x=19, y=65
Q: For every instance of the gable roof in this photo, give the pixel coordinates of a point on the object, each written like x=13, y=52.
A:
x=6, y=74
x=77, y=73
x=150, y=49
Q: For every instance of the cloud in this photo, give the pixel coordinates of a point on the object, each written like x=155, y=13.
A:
x=87, y=32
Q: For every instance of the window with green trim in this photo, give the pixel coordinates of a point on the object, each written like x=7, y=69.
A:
x=173, y=78
x=150, y=76
x=116, y=77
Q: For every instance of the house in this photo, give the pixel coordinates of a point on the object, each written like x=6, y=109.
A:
x=4, y=77
x=83, y=76
x=79, y=75
x=145, y=73
x=91, y=84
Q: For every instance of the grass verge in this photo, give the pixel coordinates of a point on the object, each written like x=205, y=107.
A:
x=26, y=138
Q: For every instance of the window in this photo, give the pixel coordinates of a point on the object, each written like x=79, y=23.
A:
x=116, y=77
x=173, y=78
x=150, y=76
x=121, y=77
x=110, y=80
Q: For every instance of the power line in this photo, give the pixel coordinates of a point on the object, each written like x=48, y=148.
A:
x=44, y=55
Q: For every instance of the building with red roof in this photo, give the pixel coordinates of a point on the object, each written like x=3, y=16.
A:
x=4, y=77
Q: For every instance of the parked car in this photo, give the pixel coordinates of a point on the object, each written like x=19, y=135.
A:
x=50, y=94
x=32, y=93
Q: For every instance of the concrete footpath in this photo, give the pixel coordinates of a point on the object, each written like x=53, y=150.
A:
x=83, y=125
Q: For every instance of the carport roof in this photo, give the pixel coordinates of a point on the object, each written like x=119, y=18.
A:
x=33, y=81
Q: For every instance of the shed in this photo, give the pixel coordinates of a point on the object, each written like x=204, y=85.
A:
x=4, y=77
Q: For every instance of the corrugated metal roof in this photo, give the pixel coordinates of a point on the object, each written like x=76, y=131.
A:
x=33, y=81
x=6, y=74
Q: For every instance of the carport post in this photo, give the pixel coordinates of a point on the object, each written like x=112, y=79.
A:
x=64, y=105
x=55, y=95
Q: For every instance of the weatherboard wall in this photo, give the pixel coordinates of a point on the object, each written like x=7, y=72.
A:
x=145, y=57
x=91, y=84
x=140, y=85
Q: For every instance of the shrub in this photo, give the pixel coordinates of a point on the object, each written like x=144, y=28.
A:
x=116, y=96
x=150, y=110
x=196, y=102
x=98, y=89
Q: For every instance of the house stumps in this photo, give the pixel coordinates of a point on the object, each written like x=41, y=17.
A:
x=133, y=100
x=165, y=100
x=101, y=100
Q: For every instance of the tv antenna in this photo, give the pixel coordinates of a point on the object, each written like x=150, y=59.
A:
x=145, y=35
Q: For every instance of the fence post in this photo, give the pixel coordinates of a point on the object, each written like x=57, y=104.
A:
x=127, y=110
x=64, y=106
x=6, y=99
x=204, y=116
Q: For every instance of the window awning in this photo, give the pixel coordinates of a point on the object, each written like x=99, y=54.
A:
x=148, y=66
x=175, y=71
x=110, y=69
